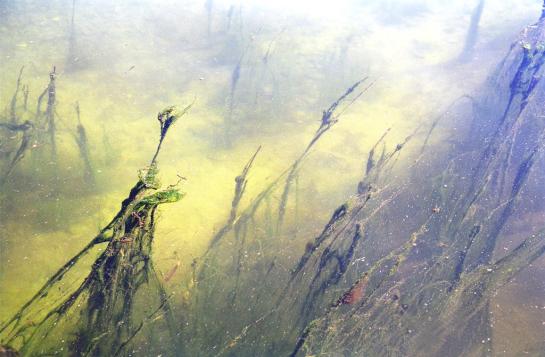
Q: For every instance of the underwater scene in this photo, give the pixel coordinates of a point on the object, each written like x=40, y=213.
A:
x=295, y=178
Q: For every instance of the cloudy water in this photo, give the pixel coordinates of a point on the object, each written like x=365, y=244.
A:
x=259, y=178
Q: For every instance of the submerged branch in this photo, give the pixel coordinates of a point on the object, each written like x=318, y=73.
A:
x=13, y=105
x=240, y=188
x=329, y=119
x=124, y=267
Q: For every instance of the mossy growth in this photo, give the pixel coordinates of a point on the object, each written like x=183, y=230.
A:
x=121, y=294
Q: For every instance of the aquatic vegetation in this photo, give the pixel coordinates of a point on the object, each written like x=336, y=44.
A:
x=229, y=248
x=472, y=32
x=445, y=295
x=36, y=132
x=83, y=146
x=437, y=283
x=103, y=312
x=12, y=155
x=406, y=218
x=50, y=114
x=18, y=155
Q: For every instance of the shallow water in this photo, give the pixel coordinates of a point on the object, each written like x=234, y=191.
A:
x=261, y=75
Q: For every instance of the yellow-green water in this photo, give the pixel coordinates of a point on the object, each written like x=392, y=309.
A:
x=130, y=59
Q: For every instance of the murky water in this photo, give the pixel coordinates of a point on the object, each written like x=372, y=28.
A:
x=349, y=178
